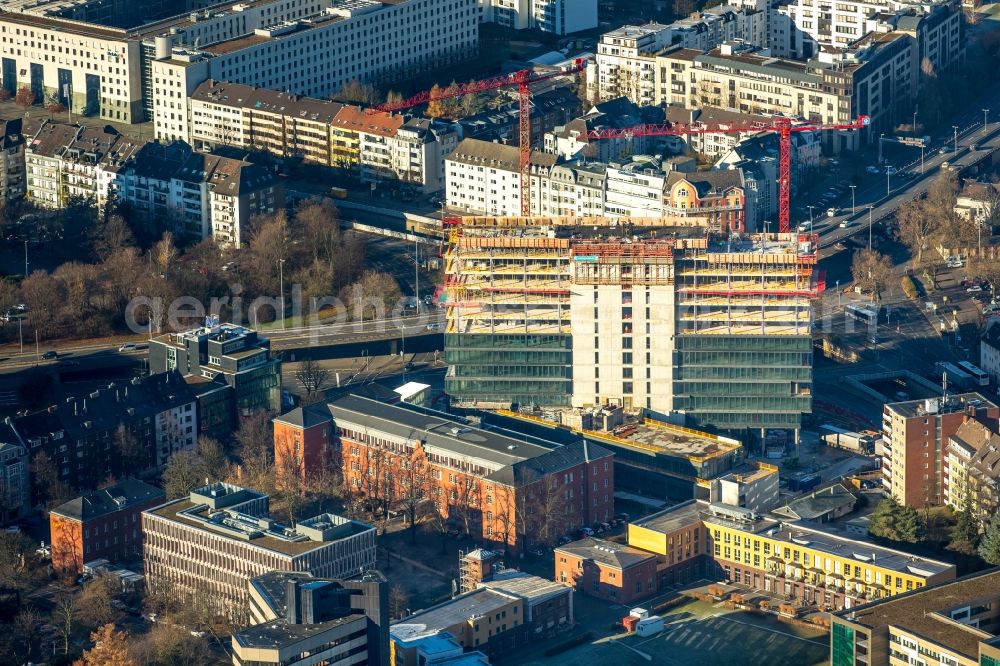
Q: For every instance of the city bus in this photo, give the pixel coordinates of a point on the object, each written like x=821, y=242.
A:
x=979, y=377
x=866, y=314
x=955, y=376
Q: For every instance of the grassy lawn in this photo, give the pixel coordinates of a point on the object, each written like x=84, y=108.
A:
x=700, y=634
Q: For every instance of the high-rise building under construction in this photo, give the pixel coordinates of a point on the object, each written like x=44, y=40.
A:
x=571, y=312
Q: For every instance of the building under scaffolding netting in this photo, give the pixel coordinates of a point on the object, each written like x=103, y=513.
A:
x=649, y=315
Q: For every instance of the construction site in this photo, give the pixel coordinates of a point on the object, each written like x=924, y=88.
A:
x=660, y=317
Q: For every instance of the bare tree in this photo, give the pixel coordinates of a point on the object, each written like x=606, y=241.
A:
x=357, y=92
x=376, y=481
x=872, y=271
x=64, y=619
x=373, y=296
x=255, y=448
x=414, y=488
x=94, y=607
x=26, y=625
x=134, y=457
x=24, y=98
x=399, y=601
x=313, y=378
x=917, y=229
x=165, y=252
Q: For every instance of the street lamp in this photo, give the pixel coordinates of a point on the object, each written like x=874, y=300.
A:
x=870, y=227
x=810, y=218
x=880, y=138
x=888, y=177
x=954, y=128
x=25, y=257
x=986, y=115
x=853, y=210
x=281, y=288
x=921, y=158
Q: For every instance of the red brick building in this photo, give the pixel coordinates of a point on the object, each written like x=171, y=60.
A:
x=301, y=441
x=607, y=570
x=103, y=524
x=915, y=436
x=500, y=489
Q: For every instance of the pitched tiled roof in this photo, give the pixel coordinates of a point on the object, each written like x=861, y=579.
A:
x=370, y=122
x=498, y=155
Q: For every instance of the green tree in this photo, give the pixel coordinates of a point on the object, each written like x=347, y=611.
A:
x=884, y=518
x=909, y=525
x=989, y=548
x=965, y=533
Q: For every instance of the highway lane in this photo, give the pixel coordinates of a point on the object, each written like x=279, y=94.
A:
x=318, y=335
x=884, y=205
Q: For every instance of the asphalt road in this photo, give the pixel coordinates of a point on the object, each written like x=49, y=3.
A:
x=88, y=356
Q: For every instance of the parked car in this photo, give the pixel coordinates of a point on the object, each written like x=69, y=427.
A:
x=49, y=355
x=127, y=347
x=974, y=289
x=872, y=169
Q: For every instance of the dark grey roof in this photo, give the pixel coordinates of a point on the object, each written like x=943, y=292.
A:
x=992, y=335
x=437, y=430
x=497, y=155
x=708, y=181
x=306, y=417
x=530, y=470
x=122, y=495
x=817, y=504
x=108, y=407
x=606, y=552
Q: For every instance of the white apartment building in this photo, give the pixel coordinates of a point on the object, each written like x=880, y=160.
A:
x=801, y=28
x=625, y=62
x=12, y=178
x=635, y=189
x=213, y=542
x=483, y=178
x=576, y=190
x=311, y=51
x=560, y=17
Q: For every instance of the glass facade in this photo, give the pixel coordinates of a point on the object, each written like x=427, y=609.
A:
x=841, y=645
x=505, y=368
x=744, y=381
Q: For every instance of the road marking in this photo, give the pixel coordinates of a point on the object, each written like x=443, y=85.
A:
x=773, y=631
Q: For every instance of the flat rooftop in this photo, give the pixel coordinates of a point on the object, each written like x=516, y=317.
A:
x=680, y=441
x=64, y=25
x=180, y=511
x=954, y=403
x=922, y=611
x=448, y=614
x=673, y=518
x=279, y=633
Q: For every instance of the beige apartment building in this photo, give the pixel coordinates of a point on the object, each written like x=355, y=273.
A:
x=213, y=542
x=877, y=79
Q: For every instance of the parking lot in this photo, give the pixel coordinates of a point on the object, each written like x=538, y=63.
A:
x=703, y=634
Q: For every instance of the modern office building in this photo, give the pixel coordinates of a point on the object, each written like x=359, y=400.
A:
x=308, y=621
x=497, y=487
x=757, y=490
x=955, y=622
x=103, y=524
x=915, y=444
x=552, y=312
x=85, y=436
x=212, y=543
x=238, y=355
x=794, y=559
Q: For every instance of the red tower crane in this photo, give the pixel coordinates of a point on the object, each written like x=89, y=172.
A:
x=783, y=126
x=522, y=79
